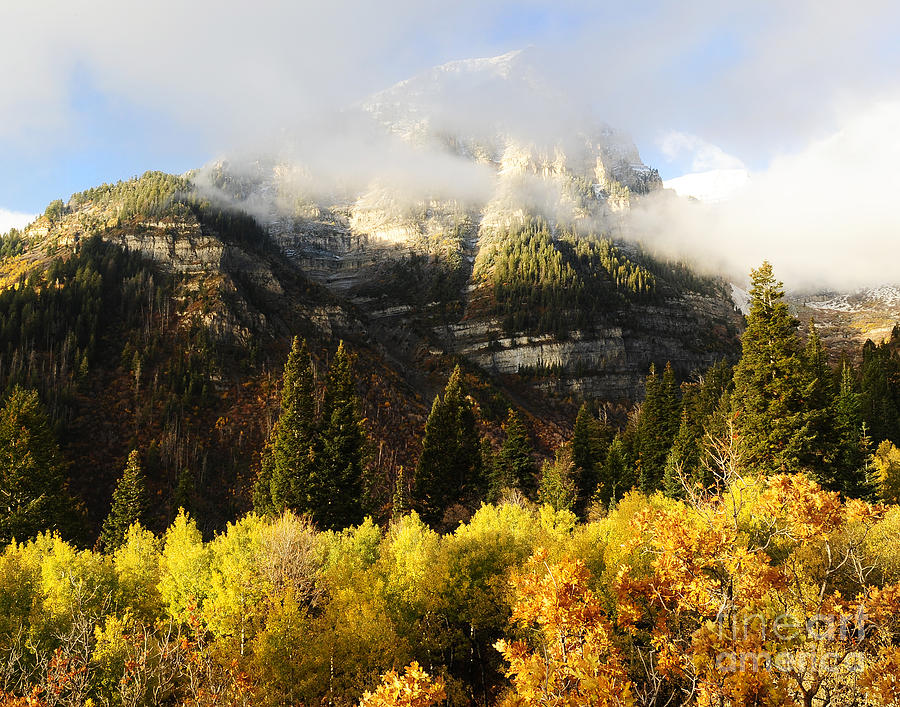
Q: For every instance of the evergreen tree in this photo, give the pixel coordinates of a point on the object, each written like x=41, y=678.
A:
x=33, y=491
x=590, y=443
x=128, y=505
x=821, y=420
x=853, y=444
x=657, y=426
x=700, y=402
x=490, y=487
x=770, y=382
x=514, y=468
x=399, y=506
x=683, y=459
x=880, y=392
x=449, y=467
x=286, y=477
x=339, y=464
x=616, y=476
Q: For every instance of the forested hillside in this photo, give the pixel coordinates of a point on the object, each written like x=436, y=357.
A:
x=636, y=556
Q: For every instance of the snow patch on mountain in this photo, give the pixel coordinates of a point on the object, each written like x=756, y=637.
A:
x=866, y=298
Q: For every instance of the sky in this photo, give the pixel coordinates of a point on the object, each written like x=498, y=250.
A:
x=101, y=90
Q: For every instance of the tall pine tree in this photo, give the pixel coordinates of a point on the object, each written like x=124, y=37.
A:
x=823, y=453
x=657, y=426
x=449, y=467
x=339, y=463
x=286, y=479
x=853, y=442
x=33, y=489
x=616, y=476
x=514, y=468
x=129, y=504
x=770, y=381
x=590, y=443
x=704, y=413
x=880, y=392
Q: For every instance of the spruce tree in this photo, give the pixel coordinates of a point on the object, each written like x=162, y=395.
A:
x=338, y=467
x=33, y=490
x=399, y=505
x=853, y=443
x=128, y=505
x=880, y=392
x=449, y=466
x=823, y=450
x=286, y=478
x=700, y=402
x=590, y=443
x=657, y=426
x=617, y=475
x=489, y=487
x=770, y=382
x=682, y=461
x=514, y=468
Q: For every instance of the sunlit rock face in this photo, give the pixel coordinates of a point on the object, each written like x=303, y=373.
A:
x=462, y=167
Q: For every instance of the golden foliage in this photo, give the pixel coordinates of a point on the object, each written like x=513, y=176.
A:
x=575, y=661
x=414, y=688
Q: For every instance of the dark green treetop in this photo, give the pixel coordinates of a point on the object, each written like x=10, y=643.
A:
x=129, y=504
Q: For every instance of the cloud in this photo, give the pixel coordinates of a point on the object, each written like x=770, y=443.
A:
x=771, y=81
x=13, y=219
x=823, y=215
x=704, y=155
x=750, y=75
x=713, y=186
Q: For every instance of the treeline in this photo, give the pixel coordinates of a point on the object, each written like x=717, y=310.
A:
x=12, y=243
x=52, y=322
x=781, y=409
x=99, y=312
x=547, y=282
x=157, y=195
x=72, y=331
x=555, y=280
x=737, y=494
x=149, y=196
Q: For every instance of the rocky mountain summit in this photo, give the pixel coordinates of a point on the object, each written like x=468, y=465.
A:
x=419, y=261
x=495, y=245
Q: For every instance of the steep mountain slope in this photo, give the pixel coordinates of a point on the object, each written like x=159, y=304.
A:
x=845, y=320
x=182, y=294
x=149, y=319
x=426, y=268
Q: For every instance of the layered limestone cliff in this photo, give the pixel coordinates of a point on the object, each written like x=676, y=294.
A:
x=400, y=255
x=352, y=239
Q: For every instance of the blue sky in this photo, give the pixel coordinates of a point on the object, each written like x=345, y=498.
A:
x=105, y=90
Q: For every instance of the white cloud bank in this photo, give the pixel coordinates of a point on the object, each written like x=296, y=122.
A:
x=827, y=214
x=705, y=156
x=13, y=219
x=758, y=77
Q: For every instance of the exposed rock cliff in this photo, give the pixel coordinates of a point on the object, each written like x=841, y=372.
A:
x=379, y=244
